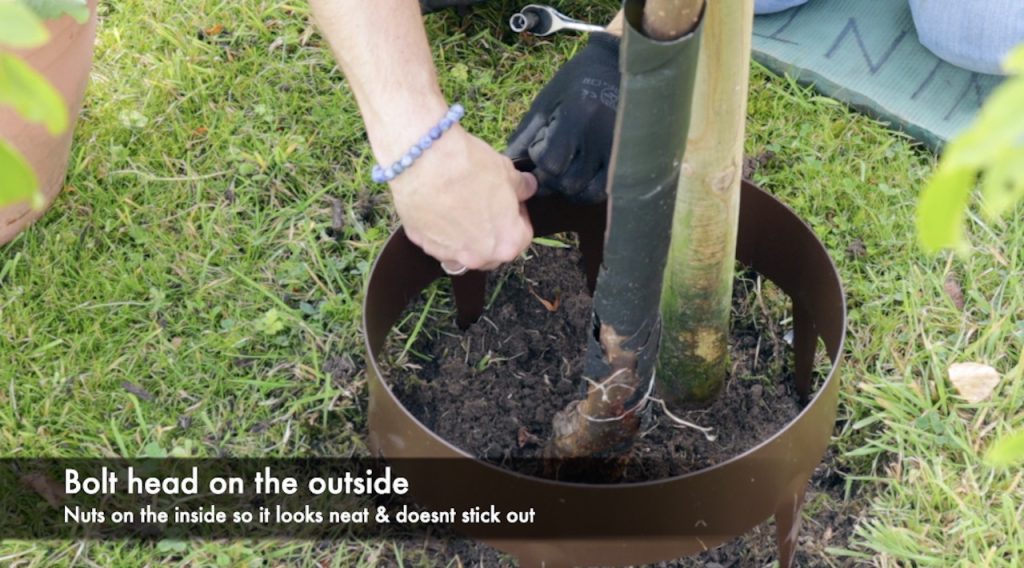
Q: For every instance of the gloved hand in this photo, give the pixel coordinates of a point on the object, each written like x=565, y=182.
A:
x=568, y=130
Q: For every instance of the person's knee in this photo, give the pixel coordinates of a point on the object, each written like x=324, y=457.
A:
x=975, y=35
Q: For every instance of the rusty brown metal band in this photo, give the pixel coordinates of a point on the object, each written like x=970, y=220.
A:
x=719, y=502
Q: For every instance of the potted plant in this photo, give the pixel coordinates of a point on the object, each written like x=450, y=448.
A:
x=46, y=49
x=626, y=251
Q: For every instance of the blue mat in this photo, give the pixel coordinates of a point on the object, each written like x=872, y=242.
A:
x=866, y=53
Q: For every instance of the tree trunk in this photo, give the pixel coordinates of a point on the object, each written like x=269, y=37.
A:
x=697, y=297
x=650, y=138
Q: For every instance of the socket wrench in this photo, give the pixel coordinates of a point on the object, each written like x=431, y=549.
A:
x=540, y=20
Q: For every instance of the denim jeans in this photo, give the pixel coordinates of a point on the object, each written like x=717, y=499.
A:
x=973, y=34
x=772, y=6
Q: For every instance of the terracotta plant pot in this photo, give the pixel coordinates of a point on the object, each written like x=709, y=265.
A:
x=65, y=61
x=630, y=523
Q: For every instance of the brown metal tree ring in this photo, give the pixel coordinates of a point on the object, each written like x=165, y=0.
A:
x=706, y=507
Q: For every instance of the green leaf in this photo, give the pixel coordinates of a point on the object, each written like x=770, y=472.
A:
x=1006, y=451
x=51, y=9
x=1002, y=184
x=17, y=180
x=992, y=147
x=940, y=212
x=271, y=323
x=1000, y=124
x=154, y=450
x=19, y=27
x=171, y=545
x=31, y=95
x=1014, y=63
x=549, y=243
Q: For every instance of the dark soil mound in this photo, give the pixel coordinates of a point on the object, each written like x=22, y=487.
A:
x=493, y=389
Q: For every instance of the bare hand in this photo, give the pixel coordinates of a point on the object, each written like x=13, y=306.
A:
x=462, y=203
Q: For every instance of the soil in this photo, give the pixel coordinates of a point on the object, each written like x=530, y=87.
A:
x=497, y=385
x=493, y=389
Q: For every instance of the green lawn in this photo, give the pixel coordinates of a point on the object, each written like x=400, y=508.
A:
x=217, y=227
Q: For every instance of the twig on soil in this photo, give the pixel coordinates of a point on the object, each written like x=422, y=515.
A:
x=551, y=306
x=757, y=352
x=492, y=324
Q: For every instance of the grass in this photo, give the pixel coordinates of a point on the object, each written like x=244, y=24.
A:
x=217, y=227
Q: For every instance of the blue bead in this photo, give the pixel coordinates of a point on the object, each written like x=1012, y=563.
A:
x=451, y=118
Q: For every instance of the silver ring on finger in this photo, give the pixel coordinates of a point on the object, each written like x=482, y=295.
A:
x=455, y=269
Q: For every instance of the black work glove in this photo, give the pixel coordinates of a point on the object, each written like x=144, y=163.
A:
x=428, y=6
x=568, y=130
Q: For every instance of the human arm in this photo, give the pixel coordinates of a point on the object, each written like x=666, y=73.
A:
x=461, y=201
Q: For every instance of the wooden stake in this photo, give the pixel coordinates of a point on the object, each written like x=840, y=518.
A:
x=670, y=19
x=697, y=297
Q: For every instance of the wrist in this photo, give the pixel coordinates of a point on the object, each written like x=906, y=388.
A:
x=396, y=126
x=430, y=166
x=387, y=172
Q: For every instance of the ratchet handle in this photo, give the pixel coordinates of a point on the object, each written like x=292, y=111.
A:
x=539, y=20
x=532, y=20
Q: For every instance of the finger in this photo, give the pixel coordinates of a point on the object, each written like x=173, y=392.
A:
x=414, y=237
x=515, y=238
x=585, y=165
x=472, y=260
x=574, y=181
x=552, y=153
x=426, y=245
x=430, y=247
x=597, y=190
x=520, y=141
x=453, y=268
x=526, y=187
x=525, y=230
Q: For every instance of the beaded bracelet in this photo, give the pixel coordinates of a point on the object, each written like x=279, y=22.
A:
x=384, y=175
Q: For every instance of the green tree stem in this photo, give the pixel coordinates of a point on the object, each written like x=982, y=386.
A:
x=653, y=117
